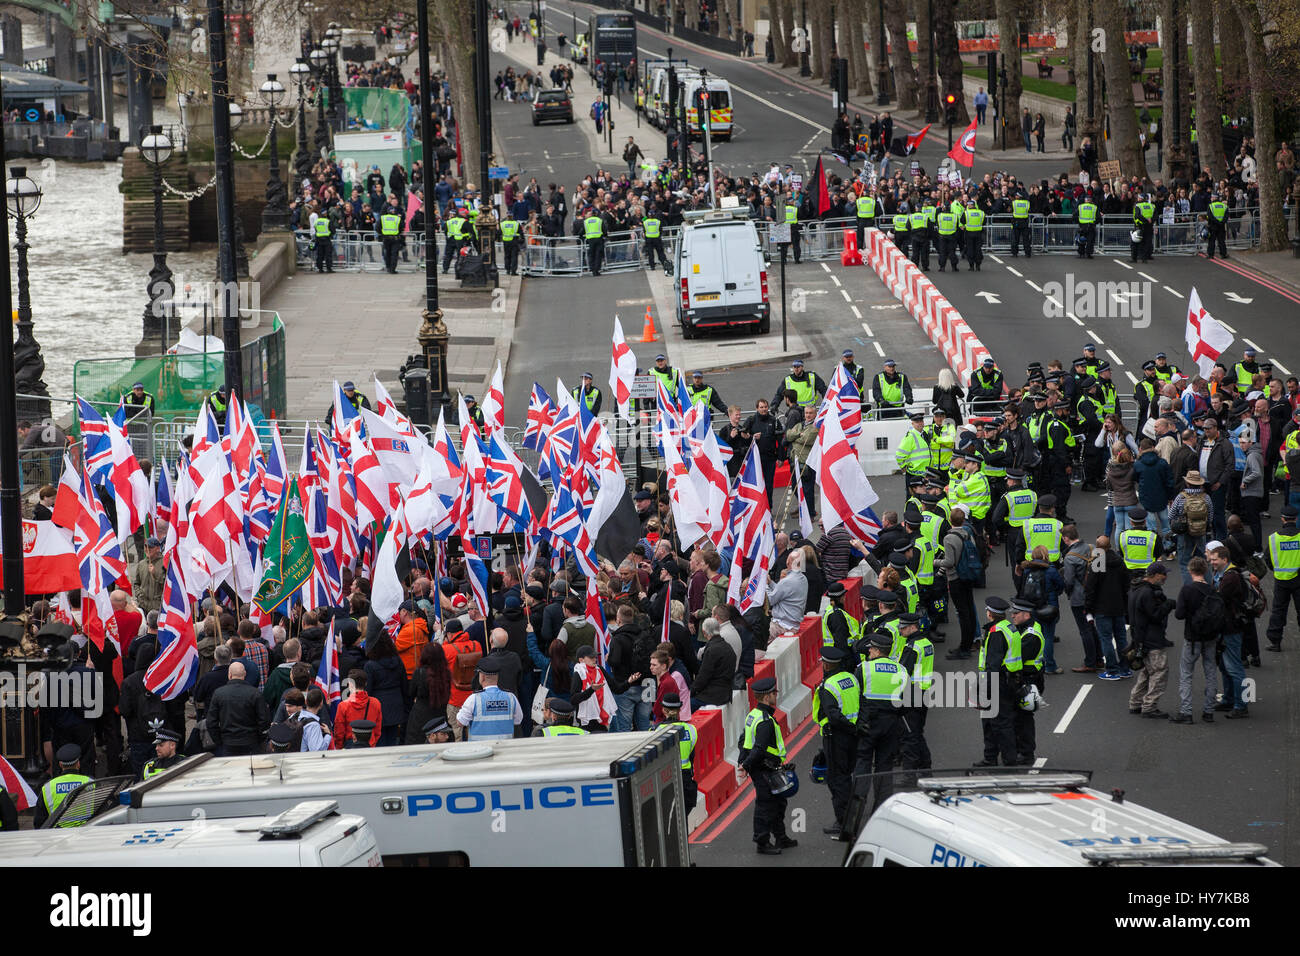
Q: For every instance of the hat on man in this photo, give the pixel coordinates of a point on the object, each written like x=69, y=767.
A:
x=1061, y=404
x=884, y=596
x=917, y=416
x=1089, y=347
x=1194, y=479
x=765, y=685
x=536, y=592
x=68, y=755
x=667, y=702
x=938, y=411
x=890, y=362
x=1161, y=355
x=1289, y=512
x=1248, y=351
x=562, y=707
x=998, y=605
x=643, y=495
x=797, y=363
x=1040, y=396
x=1211, y=545
x=407, y=606
x=898, y=559
x=1080, y=361
x=1137, y=515
x=163, y=734
x=488, y=665
x=349, y=386
x=512, y=603
x=138, y=385
x=459, y=602
x=436, y=726
x=1015, y=474
x=880, y=639
x=847, y=353
x=832, y=654
x=912, y=516
x=588, y=375
x=152, y=542
x=661, y=357
x=1047, y=501
x=988, y=360
x=835, y=589
x=910, y=618
x=1020, y=605
x=933, y=476
x=559, y=587
x=1148, y=364
x=586, y=650
x=282, y=735
x=363, y=728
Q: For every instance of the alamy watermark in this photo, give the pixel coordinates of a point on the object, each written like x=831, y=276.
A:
x=72, y=690
x=1086, y=299
x=178, y=299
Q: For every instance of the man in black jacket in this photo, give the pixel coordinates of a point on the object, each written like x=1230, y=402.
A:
x=1196, y=646
x=624, y=675
x=767, y=433
x=510, y=664
x=713, y=681
x=238, y=719
x=762, y=751
x=1148, y=612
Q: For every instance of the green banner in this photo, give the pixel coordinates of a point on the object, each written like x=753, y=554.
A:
x=288, y=555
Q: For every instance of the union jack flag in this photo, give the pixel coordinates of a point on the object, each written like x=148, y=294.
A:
x=97, y=452
x=99, y=557
x=752, y=532
x=277, y=470
x=162, y=498
x=505, y=482
x=541, y=416
x=327, y=676
x=844, y=397
x=668, y=421
x=596, y=615
x=478, y=577
x=176, y=667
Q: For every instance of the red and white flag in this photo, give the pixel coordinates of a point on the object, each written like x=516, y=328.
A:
x=1207, y=339
x=12, y=780
x=963, y=151
x=388, y=409
x=846, y=494
x=622, y=370
x=49, y=559
x=805, y=519
x=494, y=404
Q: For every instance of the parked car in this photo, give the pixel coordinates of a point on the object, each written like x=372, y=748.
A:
x=552, y=105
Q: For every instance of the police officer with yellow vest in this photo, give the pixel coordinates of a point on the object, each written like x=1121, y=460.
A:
x=459, y=235
x=891, y=390
x=1244, y=372
x=888, y=609
x=1043, y=530
x=1138, y=546
x=918, y=226
x=901, y=226
x=995, y=455
x=1165, y=371
x=1144, y=215
x=942, y=438
x=1146, y=392
x=588, y=394
x=1020, y=226
x=593, y=233
x=138, y=402
x=856, y=372
x=946, y=226
x=792, y=220
x=999, y=667
x=1216, y=227
x=57, y=789
x=807, y=387
x=699, y=392
x=557, y=720
x=917, y=661
x=927, y=529
x=167, y=749
x=865, y=207
x=671, y=705
x=217, y=404
x=883, y=682
x=1032, y=648
x=652, y=227
x=1058, y=455
x=666, y=374
x=512, y=240
x=835, y=708
x=1085, y=217
x=762, y=757
x=840, y=629
x=1283, y=557
x=972, y=225
x=390, y=229
x=1010, y=514
x=323, y=234
x=914, y=453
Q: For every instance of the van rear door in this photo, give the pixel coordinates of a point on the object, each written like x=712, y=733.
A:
x=705, y=268
x=742, y=261
x=652, y=803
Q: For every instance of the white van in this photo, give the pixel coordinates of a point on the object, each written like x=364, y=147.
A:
x=311, y=834
x=1033, y=819
x=721, y=273
x=595, y=800
x=721, y=113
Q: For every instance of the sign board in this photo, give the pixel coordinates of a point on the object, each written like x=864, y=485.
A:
x=729, y=202
x=778, y=233
x=796, y=181
x=1108, y=169
x=368, y=140
x=643, y=386
x=915, y=167
x=498, y=172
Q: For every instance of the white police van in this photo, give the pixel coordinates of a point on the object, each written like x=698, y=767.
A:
x=595, y=800
x=1033, y=819
x=721, y=273
x=311, y=834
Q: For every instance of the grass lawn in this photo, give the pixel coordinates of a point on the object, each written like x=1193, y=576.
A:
x=1031, y=84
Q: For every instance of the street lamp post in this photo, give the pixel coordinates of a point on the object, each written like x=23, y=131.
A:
x=318, y=58
x=23, y=198
x=330, y=46
x=882, y=62
x=804, y=68
x=156, y=149
x=931, y=87
x=11, y=512
x=301, y=155
x=241, y=255
x=276, y=213
x=433, y=335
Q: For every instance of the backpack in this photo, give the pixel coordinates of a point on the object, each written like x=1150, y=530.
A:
x=969, y=567
x=1253, y=604
x=462, y=672
x=644, y=642
x=1210, y=620
x=1196, y=512
x=295, y=723
x=1033, y=586
x=153, y=712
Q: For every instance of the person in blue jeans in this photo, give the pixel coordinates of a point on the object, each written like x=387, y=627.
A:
x=626, y=680
x=1228, y=582
x=1106, y=607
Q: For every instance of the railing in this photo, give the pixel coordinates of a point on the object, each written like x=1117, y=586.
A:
x=90, y=129
x=362, y=251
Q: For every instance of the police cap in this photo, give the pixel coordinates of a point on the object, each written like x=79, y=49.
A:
x=489, y=665
x=68, y=754
x=1290, y=513
x=886, y=597
x=1061, y=404
x=1040, y=396
x=1138, y=515
x=586, y=650
x=1015, y=474
x=349, y=386
x=835, y=589
x=765, y=685
x=880, y=639
x=162, y=734
x=910, y=516
x=917, y=416
x=1047, y=501
x=832, y=654
x=995, y=604
x=668, y=702
x=910, y=618
x=847, y=353
x=989, y=361
x=362, y=727
x=898, y=559
x=934, y=476
x=1080, y=361
x=1148, y=364
x=1022, y=606
x=435, y=726
x=560, y=706
x=281, y=735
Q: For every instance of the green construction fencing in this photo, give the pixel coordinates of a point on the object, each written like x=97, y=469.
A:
x=179, y=383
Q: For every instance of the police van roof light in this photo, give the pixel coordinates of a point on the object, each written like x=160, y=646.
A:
x=1044, y=781
x=296, y=820
x=1104, y=855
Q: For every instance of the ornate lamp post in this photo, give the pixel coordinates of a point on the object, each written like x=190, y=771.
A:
x=241, y=257
x=156, y=149
x=275, y=215
x=331, y=47
x=318, y=57
x=300, y=71
x=23, y=197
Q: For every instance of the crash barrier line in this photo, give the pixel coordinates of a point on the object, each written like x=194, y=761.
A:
x=796, y=696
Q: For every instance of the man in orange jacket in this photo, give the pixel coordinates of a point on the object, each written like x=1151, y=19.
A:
x=412, y=637
x=458, y=645
x=358, y=706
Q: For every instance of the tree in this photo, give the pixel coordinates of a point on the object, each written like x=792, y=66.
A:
x=861, y=73
x=1009, y=50
x=777, y=28
x=926, y=82
x=1176, y=129
x=1272, y=232
x=1232, y=49
x=1125, y=145
x=1209, y=109
x=948, y=57
x=456, y=19
x=904, y=75
x=819, y=27
x=879, y=56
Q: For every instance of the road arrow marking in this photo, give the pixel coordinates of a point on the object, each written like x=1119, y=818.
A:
x=990, y=297
x=1233, y=297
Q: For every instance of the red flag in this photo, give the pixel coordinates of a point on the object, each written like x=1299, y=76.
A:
x=823, y=197
x=914, y=139
x=963, y=152
x=12, y=780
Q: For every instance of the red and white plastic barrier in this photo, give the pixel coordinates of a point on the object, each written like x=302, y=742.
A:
x=936, y=315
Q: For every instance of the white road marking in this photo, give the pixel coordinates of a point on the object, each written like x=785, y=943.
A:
x=1121, y=262
x=995, y=258
x=1281, y=368
x=835, y=278
x=1052, y=299
x=550, y=169
x=1230, y=328
x=1251, y=344
x=1034, y=285
x=847, y=298
x=866, y=328
x=827, y=268
x=1075, y=319
x=1174, y=292
x=856, y=313
x=1114, y=358
x=1094, y=336
x=1073, y=709
x=1040, y=762
x=879, y=351
x=1012, y=270
x=1149, y=278
x=1132, y=379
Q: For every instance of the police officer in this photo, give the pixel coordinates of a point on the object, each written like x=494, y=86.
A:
x=357, y=400
x=1216, y=226
x=1090, y=361
x=835, y=708
x=167, y=750
x=902, y=229
x=891, y=390
x=1058, y=455
x=840, y=629
x=1010, y=514
x=1031, y=657
x=1085, y=216
x=1138, y=546
x=888, y=611
x=699, y=392
x=914, y=454
x=761, y=757
x=926, y=528
x=1245, y=370
x=1088, y=416
x=880, y=727
x=57, y=789
x=973, y=229
x=138, y=402
x=491, y=713
x=1284, y=558
x=665, y=373
x=437, y=731
x=512, y=240
x=999, y=660
x=593, y=233
x=995, y=455
x=807, y=387
x=1144, y=214
x=1165, y=371
x=918, y=225
x=917, y=661
x=865, y=208
x=946, y=224
x=652, y=226
x=1043, y=530
x=390, y=228
x=217, y=405
x=476, y=416
x=588, y=393
x=986, y=385
x=557, y=719
x=323, y=232
x=458, y=230
x=1020, y=226
x=792, y=220
x=1145, y=392
x=942, y=438
x=362, y=730
x=671, y=705
x=854, y=371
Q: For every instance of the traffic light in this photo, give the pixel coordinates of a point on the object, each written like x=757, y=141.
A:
x=950, y=107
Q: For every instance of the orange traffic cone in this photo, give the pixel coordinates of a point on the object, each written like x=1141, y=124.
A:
x=648, y=334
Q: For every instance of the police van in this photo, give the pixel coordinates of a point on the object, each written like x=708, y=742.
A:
x=720, y=116
x=721, y=273
x=1030, y=819
x=311, y=834
x=594, y=800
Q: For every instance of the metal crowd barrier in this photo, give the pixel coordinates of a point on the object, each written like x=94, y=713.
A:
x=362, y=251
x=1054, y=235
x=44, y=466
